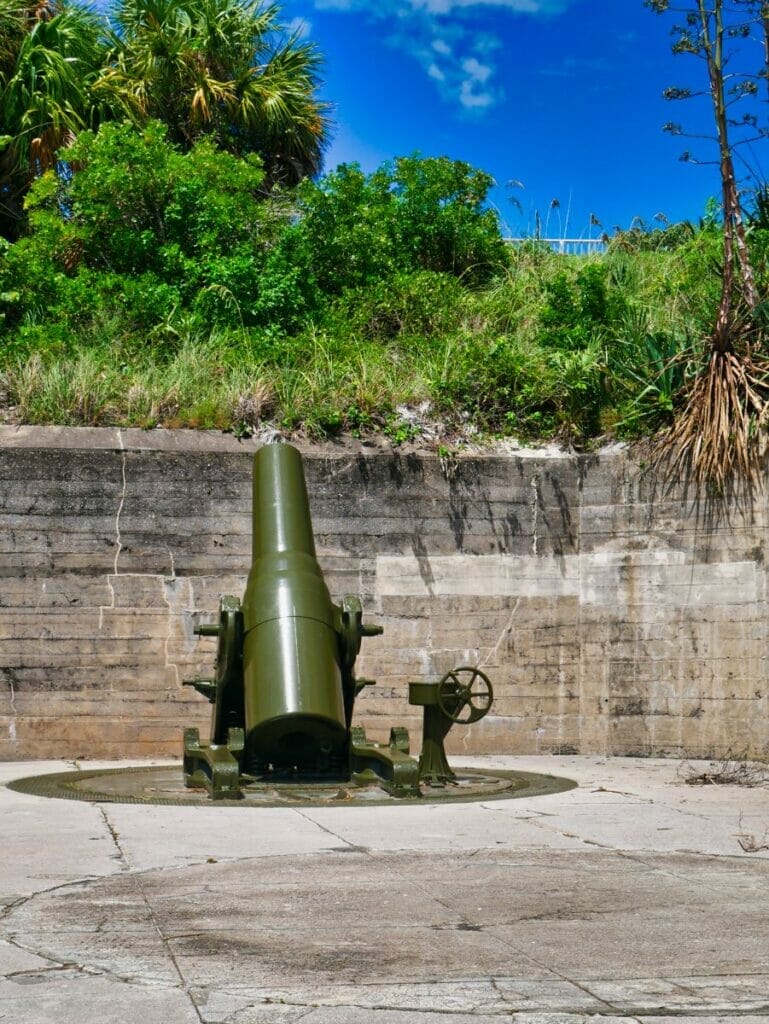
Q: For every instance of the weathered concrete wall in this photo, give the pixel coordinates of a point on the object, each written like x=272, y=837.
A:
x=609, y=622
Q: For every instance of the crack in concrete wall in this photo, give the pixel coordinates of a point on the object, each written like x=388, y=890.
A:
x=118, y=542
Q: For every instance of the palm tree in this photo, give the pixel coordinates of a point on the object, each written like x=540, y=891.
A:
x=51, y=53
x=220, y=68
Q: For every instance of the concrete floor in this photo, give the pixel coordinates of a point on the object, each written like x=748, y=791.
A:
x=628, y=899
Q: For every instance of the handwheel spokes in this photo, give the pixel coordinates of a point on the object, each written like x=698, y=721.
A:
x=465, y=702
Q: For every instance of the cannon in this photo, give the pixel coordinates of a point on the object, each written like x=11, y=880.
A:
x=284, y=686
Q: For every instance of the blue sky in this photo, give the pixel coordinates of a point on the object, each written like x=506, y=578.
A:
x=563, y=96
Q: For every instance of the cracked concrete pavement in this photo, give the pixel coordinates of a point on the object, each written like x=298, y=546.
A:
x=628, y=899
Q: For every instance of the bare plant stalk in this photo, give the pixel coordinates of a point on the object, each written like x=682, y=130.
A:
x=765, y=29
x=749, y=842
x=713, y=442
x=735, y=242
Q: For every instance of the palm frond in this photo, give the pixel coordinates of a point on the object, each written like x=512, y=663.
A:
x=223, y=68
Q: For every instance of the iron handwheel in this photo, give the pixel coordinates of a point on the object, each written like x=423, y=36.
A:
x=465, y=695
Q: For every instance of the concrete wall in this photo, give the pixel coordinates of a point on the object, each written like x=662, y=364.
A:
x=609, y=622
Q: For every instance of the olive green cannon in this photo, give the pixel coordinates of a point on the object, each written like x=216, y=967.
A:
x=284, y=685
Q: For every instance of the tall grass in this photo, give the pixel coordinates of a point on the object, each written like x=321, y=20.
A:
x=569, y=346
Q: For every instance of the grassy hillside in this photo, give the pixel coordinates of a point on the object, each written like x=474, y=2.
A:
x=155, y=288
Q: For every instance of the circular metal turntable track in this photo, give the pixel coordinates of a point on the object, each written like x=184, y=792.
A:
x=164, y=785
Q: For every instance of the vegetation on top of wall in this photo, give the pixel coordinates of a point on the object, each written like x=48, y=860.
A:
x=166, y=259
x=157, y=286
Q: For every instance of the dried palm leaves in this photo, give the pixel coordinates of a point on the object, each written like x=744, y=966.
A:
x=715, y=442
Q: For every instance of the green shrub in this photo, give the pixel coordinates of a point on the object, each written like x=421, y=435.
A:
x=579, y=307
x=160, y=288
x=142, y=230
x=413, y=214
x=416, y=304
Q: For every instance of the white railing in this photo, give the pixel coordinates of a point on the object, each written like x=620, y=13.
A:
x=566, y=246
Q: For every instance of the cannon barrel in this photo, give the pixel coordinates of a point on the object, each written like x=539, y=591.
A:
x=294, y=701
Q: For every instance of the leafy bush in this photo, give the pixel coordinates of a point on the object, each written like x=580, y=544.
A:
x=142, y=230
x=418, y=304
x=579, y=307
x=664, y=239
x=156, y=287
x=414, y=214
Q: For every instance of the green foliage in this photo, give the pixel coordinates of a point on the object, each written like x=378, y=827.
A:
x=51, y=54
x=651, y=367
x=219, y=69
x=143, y=231
x=499, y=382
x=144, y=204
x=418, y=304
x=579, y=307
x=222, y=69
x=664, y=239
x=157, y=286
x=414, y=214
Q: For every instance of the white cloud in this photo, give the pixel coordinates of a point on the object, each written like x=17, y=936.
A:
x=444, y=36
x=473, y=100
x=475, y=71
x=464, y=78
